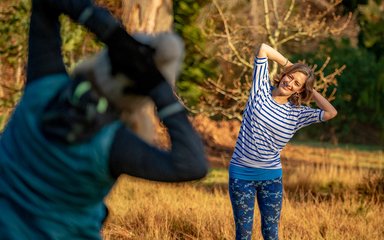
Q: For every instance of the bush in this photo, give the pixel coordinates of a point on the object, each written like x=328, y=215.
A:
x=360, y=94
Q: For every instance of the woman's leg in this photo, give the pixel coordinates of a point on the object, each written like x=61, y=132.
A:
x=242, y=194
x=269, y=198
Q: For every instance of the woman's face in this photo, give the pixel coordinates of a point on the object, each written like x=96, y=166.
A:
x=292, y=83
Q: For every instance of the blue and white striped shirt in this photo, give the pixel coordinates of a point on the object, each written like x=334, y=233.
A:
x=266, y=128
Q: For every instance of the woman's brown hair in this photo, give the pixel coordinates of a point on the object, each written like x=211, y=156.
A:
x=306, y=94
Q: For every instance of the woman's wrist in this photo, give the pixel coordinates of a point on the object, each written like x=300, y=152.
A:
x=286, y=62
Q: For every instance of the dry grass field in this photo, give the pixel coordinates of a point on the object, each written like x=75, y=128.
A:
x=330, y=193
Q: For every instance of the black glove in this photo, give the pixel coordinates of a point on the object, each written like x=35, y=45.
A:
x=135, y=61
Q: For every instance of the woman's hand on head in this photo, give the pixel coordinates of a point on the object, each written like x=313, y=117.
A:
x=288, y=64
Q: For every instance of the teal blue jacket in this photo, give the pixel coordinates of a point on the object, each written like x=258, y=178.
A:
x=49, y=190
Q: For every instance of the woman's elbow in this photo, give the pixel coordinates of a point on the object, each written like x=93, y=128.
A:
x=333, y=113
x=202, y=170
x=199, y=170
x=196, y=170
x=263, y=46
x=330, y=114
x=262, y=50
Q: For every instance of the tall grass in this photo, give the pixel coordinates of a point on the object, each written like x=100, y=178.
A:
x=321, y=201
x=147, y=210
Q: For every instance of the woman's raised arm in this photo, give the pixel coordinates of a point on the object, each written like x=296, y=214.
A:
x=329, y=110
x=272, y=54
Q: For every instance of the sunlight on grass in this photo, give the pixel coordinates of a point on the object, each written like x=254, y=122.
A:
x=323, y=199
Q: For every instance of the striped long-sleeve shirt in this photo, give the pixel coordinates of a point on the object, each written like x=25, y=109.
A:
x=266, y=128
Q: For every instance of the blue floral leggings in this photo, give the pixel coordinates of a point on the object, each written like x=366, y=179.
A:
x=269, y=194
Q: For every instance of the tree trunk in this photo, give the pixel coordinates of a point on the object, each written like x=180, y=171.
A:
x=148, y=16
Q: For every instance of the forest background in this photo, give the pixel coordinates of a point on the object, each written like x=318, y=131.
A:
x=342, y=40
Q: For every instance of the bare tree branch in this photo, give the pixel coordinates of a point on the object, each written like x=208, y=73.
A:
x=229, y=39
x=289, y=12
x=233, y=46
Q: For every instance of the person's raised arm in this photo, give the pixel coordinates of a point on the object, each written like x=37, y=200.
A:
x=329, y=110
x=185, y=161
x=266, y=51
x=140, y=68
x=44, y=52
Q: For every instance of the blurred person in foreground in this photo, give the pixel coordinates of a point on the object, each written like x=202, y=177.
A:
x=271, y=117
x=65, y=145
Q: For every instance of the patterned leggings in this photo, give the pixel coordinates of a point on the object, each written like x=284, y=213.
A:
x=269, y=195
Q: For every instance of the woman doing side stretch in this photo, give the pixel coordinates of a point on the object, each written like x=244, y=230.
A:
x=271, y=118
